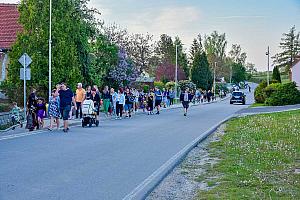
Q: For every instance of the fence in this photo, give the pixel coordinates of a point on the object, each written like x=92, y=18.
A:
x=6, y=120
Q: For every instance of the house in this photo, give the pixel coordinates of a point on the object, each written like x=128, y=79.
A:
x=9, y=27
x=295, y=72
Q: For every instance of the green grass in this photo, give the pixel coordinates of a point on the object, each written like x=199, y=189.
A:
x=259, y=155
x=257, y=105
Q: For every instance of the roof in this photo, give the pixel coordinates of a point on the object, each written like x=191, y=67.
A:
x=9, y=25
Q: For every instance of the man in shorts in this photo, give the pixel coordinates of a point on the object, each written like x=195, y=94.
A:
x=185, y=98
x=158, y=99
x=66, y=98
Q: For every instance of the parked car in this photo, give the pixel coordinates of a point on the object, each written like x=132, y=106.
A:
x=238, y=97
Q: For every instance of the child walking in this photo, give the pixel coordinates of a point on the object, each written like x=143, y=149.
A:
x=15, y=114
x=41, y=112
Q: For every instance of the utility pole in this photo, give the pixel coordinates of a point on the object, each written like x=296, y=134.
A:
x=215, y=79
x=50, y=53
x=176, y=69
x=268, y=76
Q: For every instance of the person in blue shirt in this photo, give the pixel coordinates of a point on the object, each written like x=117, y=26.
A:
x=120, y=102
x=158, y=99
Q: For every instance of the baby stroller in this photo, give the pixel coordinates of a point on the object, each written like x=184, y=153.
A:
x=89, y=114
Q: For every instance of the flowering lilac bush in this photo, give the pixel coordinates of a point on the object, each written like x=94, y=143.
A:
x=125, y=72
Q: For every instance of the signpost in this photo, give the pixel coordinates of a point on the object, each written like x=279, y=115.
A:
x=25, y=61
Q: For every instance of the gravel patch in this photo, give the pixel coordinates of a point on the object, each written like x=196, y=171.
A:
x=186, y=179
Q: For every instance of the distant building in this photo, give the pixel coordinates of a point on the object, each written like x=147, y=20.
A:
x=9, y=27
x=295, y=72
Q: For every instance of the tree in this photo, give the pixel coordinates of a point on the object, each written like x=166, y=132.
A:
x=238, y=73
x=200, y=73
x=250, y=68
x=290, y=45
x=104, y=57
x=196, y=47
x=215, y=48
x=73, y=25
x=166, y=72
x=237, y=55
x=164, y=49
x=140, y=51
x=125, y=72
x=276, y=74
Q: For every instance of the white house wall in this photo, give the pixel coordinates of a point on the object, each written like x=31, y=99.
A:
x=296, y=73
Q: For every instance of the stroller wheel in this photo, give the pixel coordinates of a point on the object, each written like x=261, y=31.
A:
x=82, y=124
x=91, y=123
x=97, y=123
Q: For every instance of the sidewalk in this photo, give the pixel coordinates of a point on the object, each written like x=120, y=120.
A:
x=103, y=117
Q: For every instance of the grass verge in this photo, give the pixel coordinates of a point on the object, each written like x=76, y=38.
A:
x=257, y=105
x=259, y=159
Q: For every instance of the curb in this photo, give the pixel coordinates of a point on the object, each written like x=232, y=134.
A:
x=150, y=183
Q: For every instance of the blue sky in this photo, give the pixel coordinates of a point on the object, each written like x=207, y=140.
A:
x=254, y=24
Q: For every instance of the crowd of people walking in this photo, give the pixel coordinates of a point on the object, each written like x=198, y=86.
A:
x=115, y=103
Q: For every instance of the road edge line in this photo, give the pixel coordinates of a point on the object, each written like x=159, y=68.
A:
x=149, y=184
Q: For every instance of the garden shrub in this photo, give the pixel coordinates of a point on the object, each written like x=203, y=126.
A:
x=284, y=94
x=146, y=88
x=170, y=85
x=187, y=84
x=259, y=95
x=159, y=84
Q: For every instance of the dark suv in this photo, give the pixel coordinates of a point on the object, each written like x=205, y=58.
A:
x=238, y=97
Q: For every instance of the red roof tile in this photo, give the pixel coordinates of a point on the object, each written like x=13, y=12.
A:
x=9, y=25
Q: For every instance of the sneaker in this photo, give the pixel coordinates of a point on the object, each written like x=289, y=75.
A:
x=184, y=114
x=65, y=130
x=157, y=112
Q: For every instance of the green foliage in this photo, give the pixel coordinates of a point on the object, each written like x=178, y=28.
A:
x=200, y=72
x=159, y=84
x=73, y=24
x=170, y=85
x=276, y=74
x=5, y=107
x=259, y=95
x=146, y=88
x=283, y=94
x=238, y=73
x=187, y=84
x=104, y=57
x=277, y=94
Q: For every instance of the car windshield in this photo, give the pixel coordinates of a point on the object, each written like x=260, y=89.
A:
x=237, y=94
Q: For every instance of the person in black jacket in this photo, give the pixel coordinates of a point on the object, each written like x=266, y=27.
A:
x=185, y=98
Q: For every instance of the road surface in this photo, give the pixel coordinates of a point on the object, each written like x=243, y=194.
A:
x=107, y=162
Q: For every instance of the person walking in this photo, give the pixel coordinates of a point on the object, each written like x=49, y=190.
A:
x=150, y=99
x=79, y=98
x=120, y=102
x=88, y=92
x=54, y=110
x=66, y=98
x=95, y=97
x=41, y=111
x=172, y=96
x=185, y=98
x=158, y=99
x=129, y=101
x=106, y=100
x=113, y=100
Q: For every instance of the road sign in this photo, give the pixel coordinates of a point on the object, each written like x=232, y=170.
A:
x=28, y=74
x=25, y=60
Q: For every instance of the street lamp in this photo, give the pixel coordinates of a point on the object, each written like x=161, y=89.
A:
x=215, y=79
x=176, y=71
x=268, y=54
x=50, y=67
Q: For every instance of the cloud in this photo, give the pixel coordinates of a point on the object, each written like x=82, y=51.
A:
x=242, y=17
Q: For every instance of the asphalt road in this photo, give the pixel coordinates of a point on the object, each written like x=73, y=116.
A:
x=101, y=163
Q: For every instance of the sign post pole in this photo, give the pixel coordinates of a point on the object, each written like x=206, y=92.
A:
x=24, y=84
